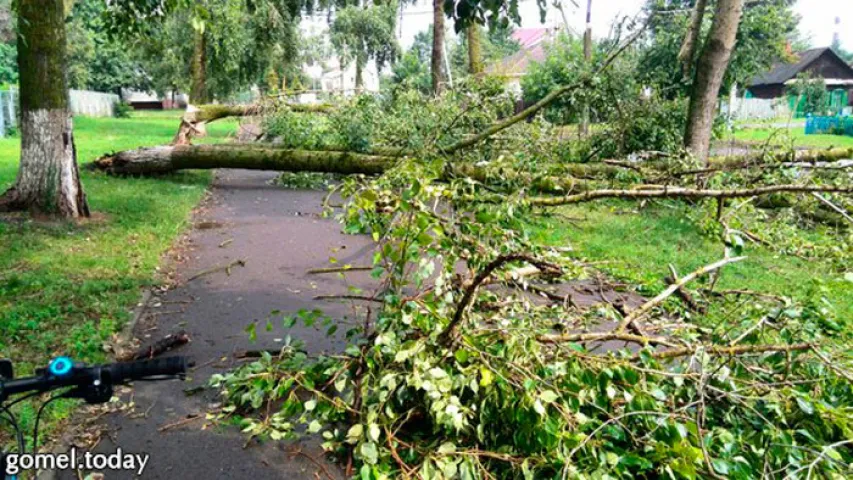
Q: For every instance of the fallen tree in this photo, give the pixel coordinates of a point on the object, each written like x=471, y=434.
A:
x=166, y=159
x=196, y=117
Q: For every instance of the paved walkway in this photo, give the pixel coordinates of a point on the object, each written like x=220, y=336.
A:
x=280, y=235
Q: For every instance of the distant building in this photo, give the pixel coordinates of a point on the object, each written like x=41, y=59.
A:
x=335, y=79
x=822, y=62
x=152, y=101
x=515, y=66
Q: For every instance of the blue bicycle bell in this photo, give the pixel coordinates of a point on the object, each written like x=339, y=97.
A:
x=60, y=366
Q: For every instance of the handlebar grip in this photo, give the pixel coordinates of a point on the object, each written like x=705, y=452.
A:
x=159, y=367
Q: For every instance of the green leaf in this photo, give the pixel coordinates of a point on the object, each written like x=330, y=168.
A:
x=369, y=453
x=548, y=396
x=447, y=448
x=354, y=433
x=805, y=406
x=486, y=377
x=373, y=430
x=720, y=466
x=315, y=427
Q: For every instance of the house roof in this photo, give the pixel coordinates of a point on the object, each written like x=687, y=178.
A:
x=532, y=51
x=517, y=63
x=528, y=37
x=782, y=72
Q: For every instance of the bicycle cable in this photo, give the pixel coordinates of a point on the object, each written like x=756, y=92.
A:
x=38, y=419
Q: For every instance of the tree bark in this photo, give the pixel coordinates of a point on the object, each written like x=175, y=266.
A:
x=196, y=117
x=166, y=159
x=198, y=69
x=438, y=78
x=475, y=55
x=709, y=76
x=48, y=181
x=688, y=46
x=359, y=76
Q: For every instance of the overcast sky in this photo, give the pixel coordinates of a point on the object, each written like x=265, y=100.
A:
x=817, y=18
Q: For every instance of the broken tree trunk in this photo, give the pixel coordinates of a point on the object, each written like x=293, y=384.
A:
x=193, y=121
x=165, y=159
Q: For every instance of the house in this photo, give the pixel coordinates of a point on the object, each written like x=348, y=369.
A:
x=340, y=79
x=532, y=42
x=153, y=101
x=822, y=62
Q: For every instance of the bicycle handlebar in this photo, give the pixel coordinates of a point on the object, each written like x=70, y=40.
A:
x=62, y=372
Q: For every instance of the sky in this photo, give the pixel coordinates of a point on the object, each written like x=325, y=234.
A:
x=817, y=18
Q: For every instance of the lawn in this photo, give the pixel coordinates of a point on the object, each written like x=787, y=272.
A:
x=65, y=288
x=638, y=246
x=787, y=136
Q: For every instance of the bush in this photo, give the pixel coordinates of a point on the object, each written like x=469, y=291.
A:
x=644, y=125
x=565, y=65
x=122, y=109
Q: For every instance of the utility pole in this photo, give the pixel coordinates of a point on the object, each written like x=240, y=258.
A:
x=587, y=55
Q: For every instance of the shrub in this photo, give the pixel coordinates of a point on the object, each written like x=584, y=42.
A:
x=122, y=109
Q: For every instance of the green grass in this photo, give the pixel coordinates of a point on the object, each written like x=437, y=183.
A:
x=788, y=136
x=638, y=246
x=65, y=288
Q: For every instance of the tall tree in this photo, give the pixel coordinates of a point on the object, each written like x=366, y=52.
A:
x=48, y=180
x=475, y=51
x=198, y=65
x=438, y=74
x=709, y=76
x=364, y=33
x=688, y=46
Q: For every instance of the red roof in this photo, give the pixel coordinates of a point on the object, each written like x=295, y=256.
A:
x=528, y=37
x=532, y=51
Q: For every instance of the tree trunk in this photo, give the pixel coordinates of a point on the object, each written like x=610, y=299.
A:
x=359, y=76
x=688, y=46
x=167, y=159
x=198, y=69
x=48, y=180
x=159, y=160
x=709, y=76
x=438, y=77
x=193, y=122
x=475, y=55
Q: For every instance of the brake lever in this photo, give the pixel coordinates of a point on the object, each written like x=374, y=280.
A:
x=100, y=390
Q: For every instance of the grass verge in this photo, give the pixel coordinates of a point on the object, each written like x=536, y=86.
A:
x=66, y=287
x=791, y=136
x=638, y=247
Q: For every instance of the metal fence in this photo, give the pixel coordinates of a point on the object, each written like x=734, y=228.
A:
x=82, y=102
x=8, y=111
x=829, y=125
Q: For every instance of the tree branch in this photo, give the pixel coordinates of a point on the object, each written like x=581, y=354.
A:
x=643, y=309
x=730, y=351
x=471, y=289
x=679, y=192
x=605, y=337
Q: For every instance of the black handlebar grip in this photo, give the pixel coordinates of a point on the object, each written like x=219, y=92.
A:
x=159, y=367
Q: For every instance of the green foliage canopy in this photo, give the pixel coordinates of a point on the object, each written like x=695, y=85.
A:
x=366, y=33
